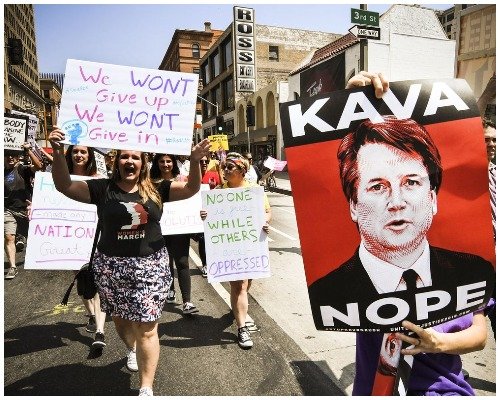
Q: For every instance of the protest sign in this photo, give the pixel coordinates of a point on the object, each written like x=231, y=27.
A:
x=183, y=216
x=236, y=245
x=61, y=230
x=129, y=108
x=273, y=164
x=218, y=142
x=15, y=131
x=32, y=126
x=429, y=129
x=100, y=163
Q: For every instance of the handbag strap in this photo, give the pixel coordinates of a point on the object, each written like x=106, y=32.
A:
x=94, y=245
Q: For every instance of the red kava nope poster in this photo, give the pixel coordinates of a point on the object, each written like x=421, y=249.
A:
x=392, y=204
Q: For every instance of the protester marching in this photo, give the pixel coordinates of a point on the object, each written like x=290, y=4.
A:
x=261, y=220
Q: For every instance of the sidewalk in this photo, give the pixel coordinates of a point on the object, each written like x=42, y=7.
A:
x=282, y=183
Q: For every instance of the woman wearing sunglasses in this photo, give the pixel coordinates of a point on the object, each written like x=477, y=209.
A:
x=234, y=170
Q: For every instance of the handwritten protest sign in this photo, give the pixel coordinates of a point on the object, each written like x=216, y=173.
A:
x=100, y=163
x=15, y=131
x=183, y=216
x=32, y=125
x=129, y=108
x=273, y=164
x=218, y=142
x=61, y=230
x=235, y=243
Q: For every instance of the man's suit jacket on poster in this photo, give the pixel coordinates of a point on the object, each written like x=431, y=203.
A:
x=350, y=283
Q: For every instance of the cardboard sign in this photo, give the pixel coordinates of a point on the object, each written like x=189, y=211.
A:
x=235, y=243
x=61, y=230
x=183, y=216
x=218, y=142
x=273, y=164
x=374, y=222
x=129, y=108
x=15, y=131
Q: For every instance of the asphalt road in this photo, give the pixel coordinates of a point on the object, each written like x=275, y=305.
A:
x=46, y=349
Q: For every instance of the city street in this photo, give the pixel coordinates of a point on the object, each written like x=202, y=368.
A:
x=46, y=350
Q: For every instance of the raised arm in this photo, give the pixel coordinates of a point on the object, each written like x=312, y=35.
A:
x=36, y=163
x=76, y=190
x=181, y=190
x=364, y=78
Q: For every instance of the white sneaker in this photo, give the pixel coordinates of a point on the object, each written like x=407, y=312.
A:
x=146, y=391
x=132, y=361
x=189, y=308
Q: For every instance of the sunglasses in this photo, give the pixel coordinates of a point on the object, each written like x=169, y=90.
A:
x=229, y=167
x=203, y=162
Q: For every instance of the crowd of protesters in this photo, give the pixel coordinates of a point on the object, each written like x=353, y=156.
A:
x=147, y=181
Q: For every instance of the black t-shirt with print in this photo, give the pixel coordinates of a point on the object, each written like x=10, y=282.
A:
x=17, y=187
x=128, y=227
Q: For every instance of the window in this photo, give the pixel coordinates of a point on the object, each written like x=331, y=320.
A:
x=274, y=53
x=228, y=94
x=215, y=64
x=450, y=17
x=217, y=97
x=206, y=73
x=228, y=54
x=196, y=50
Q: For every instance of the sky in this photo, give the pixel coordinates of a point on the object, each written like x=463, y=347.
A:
x=139, y=35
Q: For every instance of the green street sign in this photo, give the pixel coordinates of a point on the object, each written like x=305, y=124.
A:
x=364, y=17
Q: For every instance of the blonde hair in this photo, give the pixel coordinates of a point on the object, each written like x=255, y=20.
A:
x=147, y=189
x=239, y=160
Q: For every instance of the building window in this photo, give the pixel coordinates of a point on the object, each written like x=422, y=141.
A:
x=450, y=17
x=228, y=54
x=196, y=50
x=206, y=73
x=215, y=61
x=217, y=97
x=274, y=53
x=228, y=94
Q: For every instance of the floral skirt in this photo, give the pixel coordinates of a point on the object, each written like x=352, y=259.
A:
x=133, y=288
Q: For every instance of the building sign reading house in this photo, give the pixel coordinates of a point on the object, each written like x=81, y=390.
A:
x=244, y=48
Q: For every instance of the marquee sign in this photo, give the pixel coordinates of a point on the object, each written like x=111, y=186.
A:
x=244, y=48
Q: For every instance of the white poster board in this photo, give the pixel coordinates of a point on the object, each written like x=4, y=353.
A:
x=100, y=162
x=129, y=108
x=61, y=230
x=15, y=131
x=183, y=216
x=274, y=164
x=236, y=245
x=32, y=125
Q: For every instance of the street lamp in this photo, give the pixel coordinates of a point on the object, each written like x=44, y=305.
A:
x=216, y=105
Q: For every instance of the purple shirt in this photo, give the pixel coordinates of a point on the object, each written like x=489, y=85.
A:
x=432, y=374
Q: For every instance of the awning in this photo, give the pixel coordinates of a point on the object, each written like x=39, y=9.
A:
x=258, y=135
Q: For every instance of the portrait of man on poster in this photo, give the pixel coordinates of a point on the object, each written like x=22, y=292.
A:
x=390, y=174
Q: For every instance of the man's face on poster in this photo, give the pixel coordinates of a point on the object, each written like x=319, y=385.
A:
x=395, y=204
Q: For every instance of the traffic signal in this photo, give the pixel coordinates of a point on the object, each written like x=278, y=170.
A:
x=15, y=51
x=219, y=124
x=250, y=115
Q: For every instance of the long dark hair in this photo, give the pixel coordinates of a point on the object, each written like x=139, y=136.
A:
x=155, y=172
x=90, y=168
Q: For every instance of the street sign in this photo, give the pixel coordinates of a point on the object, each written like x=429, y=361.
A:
x=364, y=17
x=364, y=32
